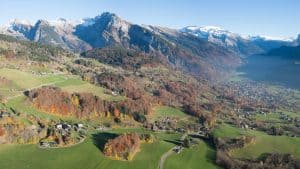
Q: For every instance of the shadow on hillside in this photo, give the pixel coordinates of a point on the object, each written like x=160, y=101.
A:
x=210, y=152
x=176, y=142
x=100, y=139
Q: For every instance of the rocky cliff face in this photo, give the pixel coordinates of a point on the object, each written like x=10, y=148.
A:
x=182, y=50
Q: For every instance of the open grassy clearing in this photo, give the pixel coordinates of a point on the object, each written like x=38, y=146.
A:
x=229, y=131
x=86, y=155
x=271, y=117
x=268, y=144
x=165, y=111
x=201, y=156
x=25, y=80
x=274, y=117
x=77, y=85
x=21, y=81
x=292, y=114
x=264, y=143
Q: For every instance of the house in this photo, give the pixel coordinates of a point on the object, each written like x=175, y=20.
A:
x=115, y=93
x=59, y=126
x=79, y=125
x=48, y=144
x=4, y=114
x=102, y=128
x=154, y=128
x=178, y=149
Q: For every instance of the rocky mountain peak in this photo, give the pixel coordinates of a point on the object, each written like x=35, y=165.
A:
x=42, y=22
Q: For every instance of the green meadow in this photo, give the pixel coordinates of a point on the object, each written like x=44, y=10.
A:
x=264, y=143
x=86, y=155
x=201, y=156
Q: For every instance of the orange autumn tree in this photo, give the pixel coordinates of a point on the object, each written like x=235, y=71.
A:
x=2, y=131
x=84, y=105
x=123, y=147
x=117, y=113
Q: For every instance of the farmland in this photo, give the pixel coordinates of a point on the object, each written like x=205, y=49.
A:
x=29, y=156
x=264, y=143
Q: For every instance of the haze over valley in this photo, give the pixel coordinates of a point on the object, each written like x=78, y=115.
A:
x=105, y=92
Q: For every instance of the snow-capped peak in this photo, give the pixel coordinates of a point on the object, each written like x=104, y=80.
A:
x=20, y=22
x=87, y=21
x=62, y=22
x=207, y=29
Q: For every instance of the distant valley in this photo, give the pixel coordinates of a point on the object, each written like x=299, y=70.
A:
x=102, y=93
x=278, y=66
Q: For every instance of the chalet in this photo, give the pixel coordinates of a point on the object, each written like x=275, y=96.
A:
x=48, y=144
x=79, y=125
x=59, y=126
x=154, y=128
x=178, y=149
x=102, y=128
x=4, y=114
x=244, y=125
x=115, y=93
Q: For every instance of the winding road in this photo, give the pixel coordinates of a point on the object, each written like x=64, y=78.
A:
x=168, y=153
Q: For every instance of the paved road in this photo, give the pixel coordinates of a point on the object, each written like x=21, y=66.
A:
x=168, y=153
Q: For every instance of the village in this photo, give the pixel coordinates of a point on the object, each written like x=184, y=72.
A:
x=63, y=135
x=258, y=93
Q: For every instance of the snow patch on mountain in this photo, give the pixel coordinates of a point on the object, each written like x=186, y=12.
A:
x=213, y=34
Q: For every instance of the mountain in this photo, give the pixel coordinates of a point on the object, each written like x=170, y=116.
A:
x=59, y=33
x=109, y=29
x=245, y=46
x=203, y=51
x=267, y=43
x=104, y=30
x=233, y=41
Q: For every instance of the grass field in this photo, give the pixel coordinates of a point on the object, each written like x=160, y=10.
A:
x=269, y=144
x=264, y=143
x=229, y=131
x=77, y=85
x=272, y=117
x=86, y=155
x=165, y=111
x=24, y=80
x=201, y=156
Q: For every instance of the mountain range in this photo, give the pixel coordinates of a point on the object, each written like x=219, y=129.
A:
x=203, y=51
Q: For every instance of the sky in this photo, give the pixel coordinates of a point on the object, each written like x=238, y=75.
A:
x=276, y=18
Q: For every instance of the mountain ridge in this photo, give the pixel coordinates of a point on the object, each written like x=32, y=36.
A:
x=213, y=54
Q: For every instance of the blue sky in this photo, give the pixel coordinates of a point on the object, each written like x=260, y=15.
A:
x=279, y=18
